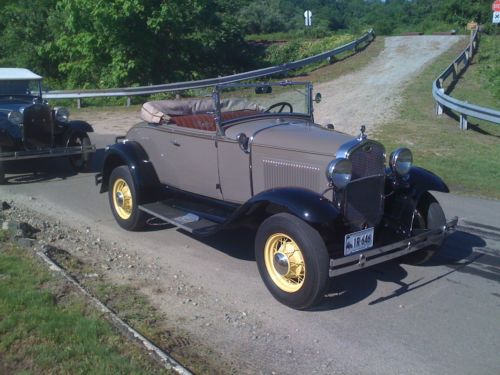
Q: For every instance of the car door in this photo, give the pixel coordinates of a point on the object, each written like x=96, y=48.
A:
x=234, y=170
x=185, y=158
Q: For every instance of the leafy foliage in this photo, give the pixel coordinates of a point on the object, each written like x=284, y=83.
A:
x=99, y=44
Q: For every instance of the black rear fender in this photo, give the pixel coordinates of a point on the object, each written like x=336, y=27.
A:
x=141, y=168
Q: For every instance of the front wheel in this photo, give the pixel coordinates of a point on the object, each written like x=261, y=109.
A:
x=123, y=199
x=292, y=260
x=427, y=215
x=80, y=162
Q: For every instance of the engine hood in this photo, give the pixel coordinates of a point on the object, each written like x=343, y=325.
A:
x=302, y=136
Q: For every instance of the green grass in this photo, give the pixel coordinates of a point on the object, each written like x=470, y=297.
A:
x=345, y=63
x=481, y=82
x=45, y=327
x=135, y=309
x=468, y=161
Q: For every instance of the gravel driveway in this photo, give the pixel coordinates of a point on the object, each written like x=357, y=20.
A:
x=370, y=96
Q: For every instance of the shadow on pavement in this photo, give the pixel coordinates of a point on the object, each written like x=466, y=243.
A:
x=46, y=169
x=457, y=254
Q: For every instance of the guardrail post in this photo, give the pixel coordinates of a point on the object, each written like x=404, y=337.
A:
x=455, y=71
x=464, y=124
x=128, y=101
x=79, y=103
x=439, y=107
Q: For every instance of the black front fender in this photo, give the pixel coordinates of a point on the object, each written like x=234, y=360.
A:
x=404, y=196
x=305, y=204
x=421, y=180
x=141, y=168
x=76, y=127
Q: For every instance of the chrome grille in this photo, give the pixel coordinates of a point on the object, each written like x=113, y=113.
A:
x=364, y=203
x=363, y=196
x=367, y=159
x=289, y=173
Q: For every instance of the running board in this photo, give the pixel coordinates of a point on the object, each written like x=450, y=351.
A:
x=182, y=219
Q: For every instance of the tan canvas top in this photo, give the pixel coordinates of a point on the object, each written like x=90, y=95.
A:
x=162, y=110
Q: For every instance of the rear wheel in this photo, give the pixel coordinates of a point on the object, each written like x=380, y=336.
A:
x=428, y=215
x=292, y=260
x=80, y=162
x=123, y=199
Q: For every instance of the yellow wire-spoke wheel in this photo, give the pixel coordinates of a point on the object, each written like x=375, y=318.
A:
x=284, y=262
x=122, y=199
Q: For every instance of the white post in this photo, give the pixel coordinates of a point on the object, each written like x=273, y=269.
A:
x=464, y=124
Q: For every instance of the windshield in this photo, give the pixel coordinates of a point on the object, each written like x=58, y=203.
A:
x=19, y=88
x=285, y=98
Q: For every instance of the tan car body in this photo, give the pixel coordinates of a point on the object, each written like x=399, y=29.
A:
x=283, y=152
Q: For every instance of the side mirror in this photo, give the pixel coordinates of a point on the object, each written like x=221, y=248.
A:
x=318, y=98
x=243, y=141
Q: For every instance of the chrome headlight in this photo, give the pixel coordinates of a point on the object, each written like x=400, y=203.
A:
x=339, y=172
x=401, y=161
x=62, y=114
x=15, y=117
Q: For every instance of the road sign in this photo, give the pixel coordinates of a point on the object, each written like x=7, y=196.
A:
x=496, y=17
x=308, y=17
x=472, y=25
x=495, y=7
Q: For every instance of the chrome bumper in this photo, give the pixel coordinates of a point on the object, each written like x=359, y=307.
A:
x=381, y=254
x=46, y=153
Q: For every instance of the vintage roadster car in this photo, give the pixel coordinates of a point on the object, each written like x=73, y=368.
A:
x=30, y=128
x=324, y=202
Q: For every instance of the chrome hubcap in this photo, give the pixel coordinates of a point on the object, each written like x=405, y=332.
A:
x=280, y=262
x=119, y=198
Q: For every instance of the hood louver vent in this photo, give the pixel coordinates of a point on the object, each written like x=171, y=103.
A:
x=279, y=173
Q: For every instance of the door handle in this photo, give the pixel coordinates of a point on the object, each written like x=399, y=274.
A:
x=175, y=143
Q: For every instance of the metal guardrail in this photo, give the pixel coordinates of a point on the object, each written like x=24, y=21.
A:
x=463, y=108
x=145, y=90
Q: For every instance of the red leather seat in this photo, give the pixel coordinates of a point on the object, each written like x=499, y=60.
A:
x=206, y=121
x=201, y=122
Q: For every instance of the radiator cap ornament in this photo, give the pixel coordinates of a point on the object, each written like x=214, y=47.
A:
x=362, y=135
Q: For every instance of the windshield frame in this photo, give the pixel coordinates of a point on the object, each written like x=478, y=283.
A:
x=218, y=89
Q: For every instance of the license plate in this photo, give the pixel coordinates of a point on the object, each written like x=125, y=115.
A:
x=358, y=241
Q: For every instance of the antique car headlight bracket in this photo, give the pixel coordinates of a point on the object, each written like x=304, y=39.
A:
x=15, y=117
x=339, y=172
x=401, y=161
x=62, y=114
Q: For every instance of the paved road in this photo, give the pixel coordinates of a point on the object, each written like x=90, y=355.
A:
x=443, y=318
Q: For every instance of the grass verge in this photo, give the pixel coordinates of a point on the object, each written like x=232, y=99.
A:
x=467, y=160
x=47, y=327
